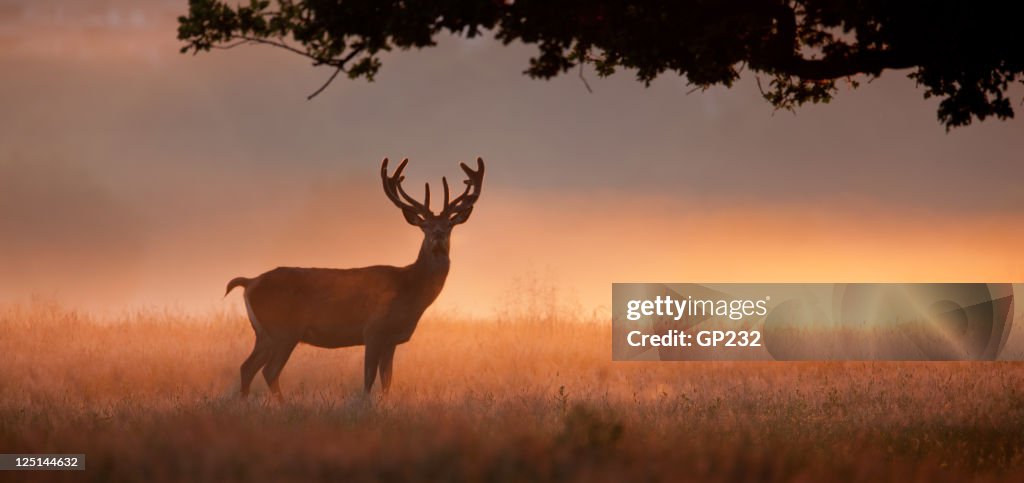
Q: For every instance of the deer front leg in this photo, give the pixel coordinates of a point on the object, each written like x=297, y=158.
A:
x=386, y=358
x=371, y=360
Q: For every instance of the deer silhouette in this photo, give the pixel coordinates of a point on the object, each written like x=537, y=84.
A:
x=377, y=306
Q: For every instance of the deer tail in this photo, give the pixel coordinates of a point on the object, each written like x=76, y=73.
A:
x=236, y=282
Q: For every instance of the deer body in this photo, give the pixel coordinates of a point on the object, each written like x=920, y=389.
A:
x=377, y=306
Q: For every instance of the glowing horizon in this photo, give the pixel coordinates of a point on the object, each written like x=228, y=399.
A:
x=150, y=178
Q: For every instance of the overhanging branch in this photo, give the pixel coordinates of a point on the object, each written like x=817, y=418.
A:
x=338, y=64
x=867, y=62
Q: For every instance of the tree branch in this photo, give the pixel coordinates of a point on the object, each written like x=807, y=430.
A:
x=870, y=62
x=584, y=79
x=282, y=45
x=786, y=39
x=341, y=68
x=324, y=86
x=231, y=45
x=339, y=64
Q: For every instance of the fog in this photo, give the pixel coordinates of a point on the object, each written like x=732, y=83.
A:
x=133, y=175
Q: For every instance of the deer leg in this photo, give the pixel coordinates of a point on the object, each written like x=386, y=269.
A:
x=259, y=357
x=386, y=358
x=272, y=370
x=371, y=359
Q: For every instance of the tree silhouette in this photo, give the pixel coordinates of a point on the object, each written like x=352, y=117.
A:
x=967, y=53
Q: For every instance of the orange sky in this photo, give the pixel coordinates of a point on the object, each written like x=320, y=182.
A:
x=130, y=174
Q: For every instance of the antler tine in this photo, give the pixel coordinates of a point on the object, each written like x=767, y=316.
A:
x=458, y=199
x=444, y=207
x=426, y=196
x=474, y=175
x=390, y=180
x=395, y=193
x=473, y=184
x=398, y=172
x=416, y=205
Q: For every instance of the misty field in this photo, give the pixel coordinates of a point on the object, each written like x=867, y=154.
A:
x=152, y=396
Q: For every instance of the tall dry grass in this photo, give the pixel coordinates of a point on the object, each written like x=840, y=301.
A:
x=151, y=395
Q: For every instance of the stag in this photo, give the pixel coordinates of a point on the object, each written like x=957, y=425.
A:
x=377, y=307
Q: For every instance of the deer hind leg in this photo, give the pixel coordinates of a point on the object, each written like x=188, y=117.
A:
x=272, y=370
x=261, y=352
x=387, y=357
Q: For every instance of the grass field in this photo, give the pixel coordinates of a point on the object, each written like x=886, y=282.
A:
x=152, y=396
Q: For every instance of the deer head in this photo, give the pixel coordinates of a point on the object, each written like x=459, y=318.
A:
x=437, y=229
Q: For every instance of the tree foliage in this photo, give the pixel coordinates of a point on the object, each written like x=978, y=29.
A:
x=968, y=53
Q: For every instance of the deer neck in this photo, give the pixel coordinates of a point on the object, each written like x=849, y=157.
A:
x=431, y=267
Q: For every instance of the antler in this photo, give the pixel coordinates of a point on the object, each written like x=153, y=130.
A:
x=414, y=211
x=458, y=210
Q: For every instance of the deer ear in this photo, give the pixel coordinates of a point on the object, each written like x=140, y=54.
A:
x=461, y=216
